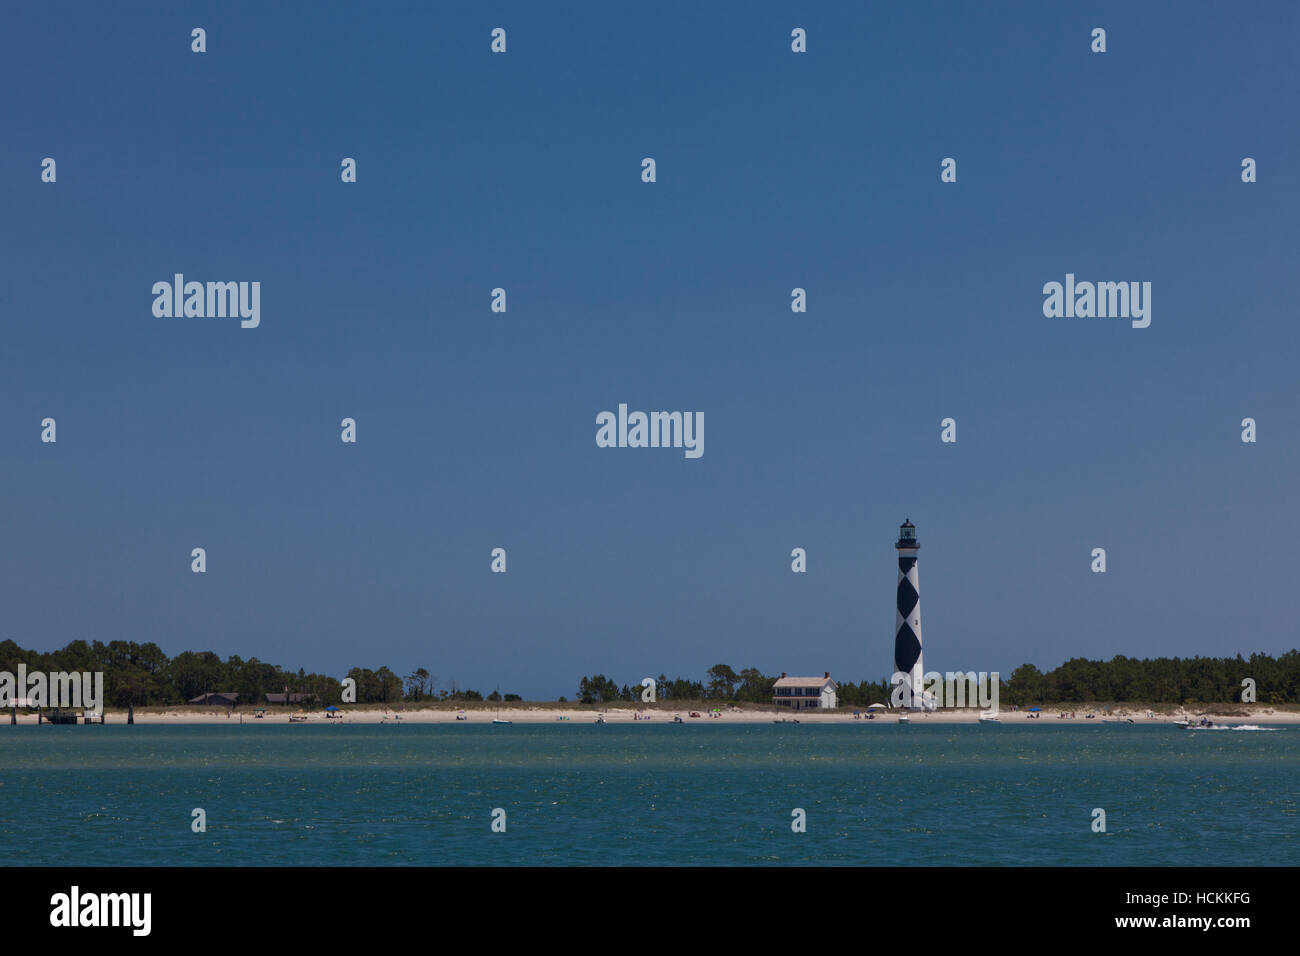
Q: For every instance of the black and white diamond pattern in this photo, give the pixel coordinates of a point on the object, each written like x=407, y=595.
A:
x=907, y=641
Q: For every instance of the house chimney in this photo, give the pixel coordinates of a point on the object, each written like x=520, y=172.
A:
x=828, y=675
x=782, y=673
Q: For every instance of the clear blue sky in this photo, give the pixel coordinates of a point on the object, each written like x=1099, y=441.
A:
x=477, y=430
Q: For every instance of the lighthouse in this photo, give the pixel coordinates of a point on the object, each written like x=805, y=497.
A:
x=907, y=635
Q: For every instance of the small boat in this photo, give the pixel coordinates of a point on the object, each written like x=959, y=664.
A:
x=297, y=718
x=989, y=718
x=785, y=720
x=904, y=719
x=498, y=720
x=1182, y=724
x=1117, y=720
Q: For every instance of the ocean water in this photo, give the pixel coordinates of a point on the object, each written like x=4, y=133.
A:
x=873, y=794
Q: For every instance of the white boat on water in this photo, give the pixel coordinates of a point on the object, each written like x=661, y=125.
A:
x=1229, y=727
x=498, y=720
x=990, y=717
x=1206, y=724
x=904, y=719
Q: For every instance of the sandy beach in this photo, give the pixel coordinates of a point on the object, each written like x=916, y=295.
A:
x=541, y=713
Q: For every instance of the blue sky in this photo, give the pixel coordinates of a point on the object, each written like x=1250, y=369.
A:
x=476, y=430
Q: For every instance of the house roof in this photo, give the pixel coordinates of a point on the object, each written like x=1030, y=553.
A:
x=804, y=682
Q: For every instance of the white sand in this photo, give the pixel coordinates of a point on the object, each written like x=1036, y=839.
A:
x=660, y=714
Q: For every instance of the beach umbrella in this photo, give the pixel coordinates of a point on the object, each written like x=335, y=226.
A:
x=876, y=707
x=1035, y=710
x=331, y=707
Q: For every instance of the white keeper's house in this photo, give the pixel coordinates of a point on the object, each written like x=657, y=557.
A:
x=803, y=693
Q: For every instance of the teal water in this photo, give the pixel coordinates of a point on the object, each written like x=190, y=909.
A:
x=586, y=794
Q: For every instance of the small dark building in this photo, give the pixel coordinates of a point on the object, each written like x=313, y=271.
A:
x=287, y=698
x=221, y=699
